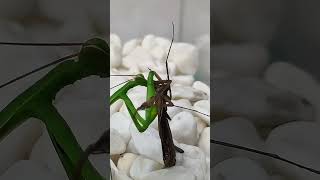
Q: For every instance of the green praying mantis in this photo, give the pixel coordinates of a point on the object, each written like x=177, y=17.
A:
x=92, y=60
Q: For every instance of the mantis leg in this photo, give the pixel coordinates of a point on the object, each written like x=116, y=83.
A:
x=151, y=112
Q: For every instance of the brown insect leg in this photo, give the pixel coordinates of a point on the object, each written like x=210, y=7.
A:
x=179, y=150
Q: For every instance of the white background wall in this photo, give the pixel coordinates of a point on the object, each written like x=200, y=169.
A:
x=135, y=19
x=131, y=19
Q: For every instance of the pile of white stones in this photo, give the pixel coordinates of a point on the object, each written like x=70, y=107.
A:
x=136, y=155
x=270, y=107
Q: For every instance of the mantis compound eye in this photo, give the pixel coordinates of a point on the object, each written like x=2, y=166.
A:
x=94, y=54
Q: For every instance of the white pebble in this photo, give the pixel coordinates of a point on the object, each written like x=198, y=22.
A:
x=173, y=173
x=291, y=78
x=121, y=122
x=297, y=142
x=142, y=166
x=202, y=106
x=139, y=57
x=129, y=46
x=186, y=57
x=18, y=144
x=194, y=159
x=186, y=92
x=115, y=107
x=27, y=169
x=147, y=143
x=184, y=128
x=172, y=111
x=258, y=101
x=115, y=56
x=200, y=125
x=131, y=148
x=239, y=168
x=116, y=174
x=240, y=132
x=115, y=40
x=204, y=141
x=202, y=87
x=117, y=143
x=185, y=80
x=148, y=42
x=125, y=162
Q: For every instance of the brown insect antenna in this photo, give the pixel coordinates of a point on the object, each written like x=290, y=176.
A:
x=167, y=68
x=270, y=155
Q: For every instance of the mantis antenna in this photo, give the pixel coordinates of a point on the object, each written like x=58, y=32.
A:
x=38, y=69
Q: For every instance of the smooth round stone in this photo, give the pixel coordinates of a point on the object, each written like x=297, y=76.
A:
x=19, y=143
x=259, y=101
x=202, y=106
x=129, y=46
x=163, y=42
x=202, y=87
x=291, y=78
x=27, y=169
x=147, y=143
x=186, y=92
x=115, y=107
x=238, y=168
x=200, y=125
x=115, y=40
x=125, y=162
x=245, y=60
x=172, y=111
x=185, y=80
x=184, y=128
x=131, y=148
x=204, y=141
x=161, y=70
x=117, y=143
x=116, y=174
x=237, y=131
x=297, y=142
x=175, y=172
x=186, y=57
x=193, y=159
x=142, y=166
x=121, y=122
x=139, y=57
x=148, y=42
x=115, y=56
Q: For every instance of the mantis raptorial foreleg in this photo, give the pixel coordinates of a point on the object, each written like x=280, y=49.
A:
x=36, y=102
x=151, y=112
